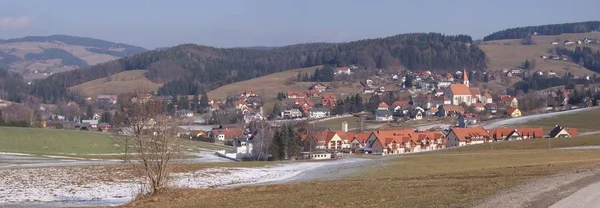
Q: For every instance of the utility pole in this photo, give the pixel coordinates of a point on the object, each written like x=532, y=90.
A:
x=549, y=143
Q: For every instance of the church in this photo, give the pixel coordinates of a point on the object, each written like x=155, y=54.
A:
x=460, y=93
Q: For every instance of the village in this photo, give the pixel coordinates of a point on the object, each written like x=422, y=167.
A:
x=390, y=104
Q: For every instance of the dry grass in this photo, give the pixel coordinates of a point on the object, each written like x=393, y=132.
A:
x=584, y=121
x=452, y=178
x=513, y=55
x=124, y=82
x=268, y=86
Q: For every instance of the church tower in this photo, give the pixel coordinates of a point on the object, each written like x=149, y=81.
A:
x=465, y=78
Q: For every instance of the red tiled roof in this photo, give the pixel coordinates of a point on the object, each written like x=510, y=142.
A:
x=401, y=103
x=475, y=91
x=478, y=105
x=459, y=89
x=342, y=69
x=471, y=133
x=455, y=108
x=511, y=110
x=383, y=105
x=573, y=132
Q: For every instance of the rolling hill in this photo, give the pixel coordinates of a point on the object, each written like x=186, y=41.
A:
x=189, y=69
x=38, y=56
x=512, y=53
x=124, y=82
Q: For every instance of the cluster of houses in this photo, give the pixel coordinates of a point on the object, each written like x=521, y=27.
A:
x=447, y=100
x=577, y=42
x=326, y=143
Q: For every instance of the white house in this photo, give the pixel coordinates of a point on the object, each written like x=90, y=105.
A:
x=316, y=113
x=383, y=112
x=342, y=70
x=293, y=113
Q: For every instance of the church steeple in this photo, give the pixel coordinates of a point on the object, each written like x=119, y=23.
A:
x=465, y=78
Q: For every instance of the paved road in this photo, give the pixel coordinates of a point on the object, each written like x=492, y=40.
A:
x=588, y=197
x=525, y=119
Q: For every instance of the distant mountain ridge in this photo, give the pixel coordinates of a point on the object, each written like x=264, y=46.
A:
x=39, y=56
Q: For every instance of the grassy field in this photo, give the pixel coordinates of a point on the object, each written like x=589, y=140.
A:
x=510, y=53
x=584, y=121
x=452, y=178
x=124, y=82
x=268, y=86
x=56, y=142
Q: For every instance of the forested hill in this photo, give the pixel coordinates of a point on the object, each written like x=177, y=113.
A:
x=96, y=45
x=554, y=29
x=188, y=68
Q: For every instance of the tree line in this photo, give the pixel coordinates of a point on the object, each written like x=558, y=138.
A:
x=192, y=67
x=553, y=29
x=585, y=57
x=326, y=74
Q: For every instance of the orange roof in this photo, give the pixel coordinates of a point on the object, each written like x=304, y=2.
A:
x=465, y=75
x=511, y=110
x=475, y=133
x=487, y=95
x=459, y=89
x=500, y=133
x=342, y=69
x=229, y=133
x=478, y=105
x=455, y=108
x=573, y=132
x=430, y=135
x=383, y=105
x=361, y=137
x=401, y=103
x=531, y=132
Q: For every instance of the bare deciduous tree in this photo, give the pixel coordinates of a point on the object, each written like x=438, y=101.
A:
x=153, y=136
x=262, y=137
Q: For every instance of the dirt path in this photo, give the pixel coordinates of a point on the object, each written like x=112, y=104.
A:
x=546, y=191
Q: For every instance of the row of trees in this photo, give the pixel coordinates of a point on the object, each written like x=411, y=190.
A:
x=320, y=75
x=554, y=29
x=585, y=57
x=189, y=69
x=536, y=82
x=12, y=86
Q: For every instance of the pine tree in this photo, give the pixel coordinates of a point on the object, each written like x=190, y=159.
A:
x=90, y=112
x=204, y=100
x=106, y=118
x=195, y=103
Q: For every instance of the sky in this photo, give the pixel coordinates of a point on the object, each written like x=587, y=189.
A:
x=243, y=23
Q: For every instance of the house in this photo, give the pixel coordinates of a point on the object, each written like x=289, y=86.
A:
x=509, y=101
x=316, y=113
x=329, y=101
x=479, y=107
x=438, y=92
x=319, y=87
x=72, y=104
x=252, y=116
x=214, y=107
x=450, y=110
x=559, y=132
x=416, y=113
x=242, y=149
x=368, y=90
x=465, y=120
x=342, y=70
x=110, y=99
x=510, y=134
x=554, y=42
x=487, y=98
x=248, y=93
x=91, y=123
x=475, y=95
x=383, y=113
x=293, y=113
x=443, y=83
x=400, y=107
x=226, y=134
x=389, y=141
x=104, y=127
x=467, y=136
x=295, y=95
x=513, y=112
x=185, y=113
x=568, y=42
x=358, y=140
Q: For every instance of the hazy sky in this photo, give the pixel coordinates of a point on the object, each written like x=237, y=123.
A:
x=231, y=23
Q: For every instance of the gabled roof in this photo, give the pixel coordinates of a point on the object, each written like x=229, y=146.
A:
x=572, y=131
x=511, y=110
x=361, y=137
x=401, y=103
x=459, y=89
x=478, y=105
x=342, y=69
x=455, y=108
x=465, y=75
x=383, y=105
x=487, y=95
x=474, y=133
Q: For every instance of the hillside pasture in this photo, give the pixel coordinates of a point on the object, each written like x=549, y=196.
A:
x=511, y=53
x=124, y=82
